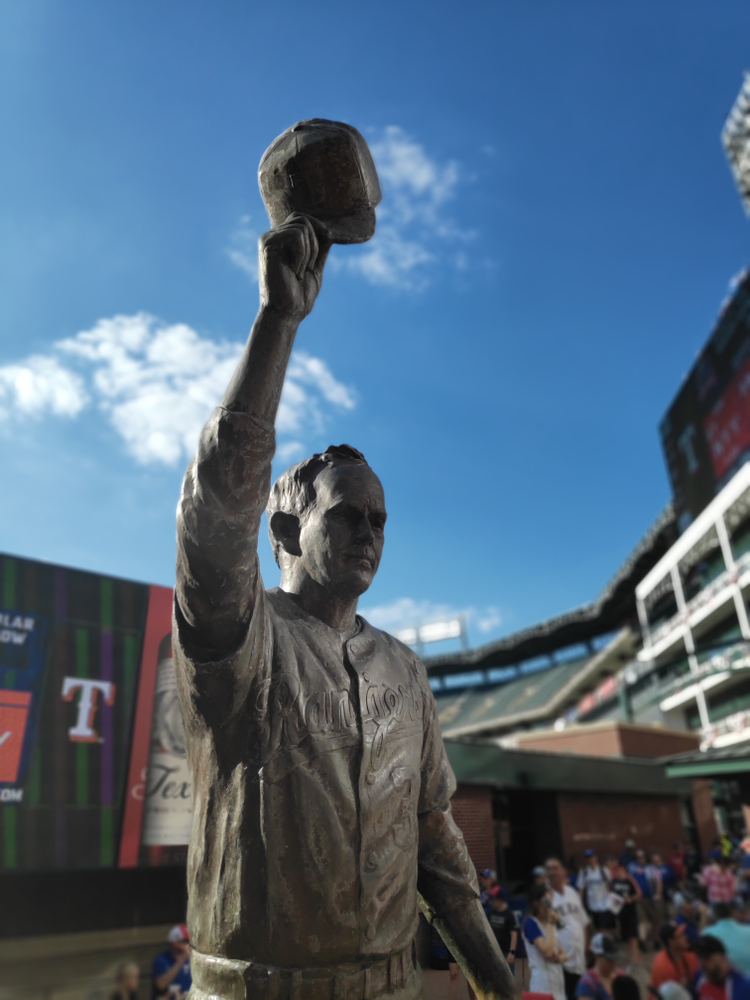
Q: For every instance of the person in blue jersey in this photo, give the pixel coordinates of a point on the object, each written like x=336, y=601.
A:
x=545, y=954
x=647, y=911
x=596, y=982
x=170, y=972
x=689, y=915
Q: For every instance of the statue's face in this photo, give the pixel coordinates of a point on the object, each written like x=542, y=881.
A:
x=341, y=538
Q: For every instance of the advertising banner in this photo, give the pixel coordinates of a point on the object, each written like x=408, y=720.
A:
x=159, y=797
x=70, y=646
x=706, y=431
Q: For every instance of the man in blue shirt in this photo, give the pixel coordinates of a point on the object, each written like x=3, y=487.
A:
x=688, y=915
x=627, y=857
x=647, y=909
x=170, y=973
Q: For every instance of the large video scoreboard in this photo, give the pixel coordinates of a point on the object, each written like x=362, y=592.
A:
x=92, y=761
x=706, y=431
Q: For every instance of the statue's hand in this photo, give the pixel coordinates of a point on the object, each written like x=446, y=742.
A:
x=291, y=265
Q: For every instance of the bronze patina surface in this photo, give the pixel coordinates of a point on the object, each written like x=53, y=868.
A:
x=322, y=790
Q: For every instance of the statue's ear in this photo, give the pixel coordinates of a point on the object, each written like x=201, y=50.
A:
x=285, y=529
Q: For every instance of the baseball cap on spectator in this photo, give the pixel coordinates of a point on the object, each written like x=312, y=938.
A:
x=589, y=852
x=178, y=933
x=681, y=898
x=668, y=930
x=715, y=854
x=490, y=873
x=539, y=871
x=604, y=945
x=630, y=842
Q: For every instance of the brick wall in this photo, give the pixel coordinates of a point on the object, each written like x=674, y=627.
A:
x=596, y=742
x=472, y=811
x=611, y=739
x=656, y=742
x=605, y=822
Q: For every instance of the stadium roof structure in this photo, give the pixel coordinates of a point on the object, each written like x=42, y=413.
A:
x=609, y=612
x=716, y=761
x=735, y=138
x=532, y=699
x=477, y=762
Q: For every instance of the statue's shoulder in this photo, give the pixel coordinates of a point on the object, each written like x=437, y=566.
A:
x=397, y=648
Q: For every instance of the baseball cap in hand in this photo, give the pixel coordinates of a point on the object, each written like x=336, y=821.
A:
x=179, y=933
x=605, y=945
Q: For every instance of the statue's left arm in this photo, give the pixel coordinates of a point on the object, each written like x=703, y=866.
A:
x=447, y=882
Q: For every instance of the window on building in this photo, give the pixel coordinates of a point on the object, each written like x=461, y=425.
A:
x=702, y=564
x=661, y=603
x=737, y=520
x=725, y=702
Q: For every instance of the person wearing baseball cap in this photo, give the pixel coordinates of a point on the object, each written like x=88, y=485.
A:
x=596, y=983
x=170, y=973
x=674, y=963
x=490, y=888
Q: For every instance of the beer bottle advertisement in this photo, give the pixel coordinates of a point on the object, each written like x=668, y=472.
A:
x=168, y=799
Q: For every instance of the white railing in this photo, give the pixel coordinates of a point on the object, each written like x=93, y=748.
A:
x=702, y=598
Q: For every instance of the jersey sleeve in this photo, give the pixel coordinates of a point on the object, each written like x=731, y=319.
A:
x=585, y=988
x=446, y=876
x=531, y=930
x=161, y=964
x=224, y=494
x=220, y=628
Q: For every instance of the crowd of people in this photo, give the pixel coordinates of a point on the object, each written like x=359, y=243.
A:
x=579, y=921
x=170, y=971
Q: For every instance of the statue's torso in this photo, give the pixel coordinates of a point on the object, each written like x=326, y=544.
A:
x=307, y=765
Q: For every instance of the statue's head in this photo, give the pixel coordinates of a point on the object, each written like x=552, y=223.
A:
x=323, y=169
x=326, y=517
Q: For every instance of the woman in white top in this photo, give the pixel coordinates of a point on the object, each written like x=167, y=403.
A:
x=544, y=951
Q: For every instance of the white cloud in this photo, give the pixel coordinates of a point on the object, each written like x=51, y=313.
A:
x=40, y=384
x=157, y=383
x=243, y=248
x=405, y=612
x=413, y=229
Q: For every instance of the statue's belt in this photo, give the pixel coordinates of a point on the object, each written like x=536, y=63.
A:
x=230, y=979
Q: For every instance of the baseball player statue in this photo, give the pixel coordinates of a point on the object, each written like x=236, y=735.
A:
x=322, y=815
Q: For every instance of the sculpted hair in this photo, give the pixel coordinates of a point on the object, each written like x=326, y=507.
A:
x=294, y=490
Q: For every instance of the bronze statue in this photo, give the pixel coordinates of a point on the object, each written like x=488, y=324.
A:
x=322, y=813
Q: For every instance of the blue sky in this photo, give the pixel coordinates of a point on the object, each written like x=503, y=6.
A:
x=558, y=229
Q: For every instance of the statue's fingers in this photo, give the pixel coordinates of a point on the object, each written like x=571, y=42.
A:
x=291, y=243
x=308, y=223
x=320, y=242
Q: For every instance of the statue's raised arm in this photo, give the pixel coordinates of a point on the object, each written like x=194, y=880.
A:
x=320, y=187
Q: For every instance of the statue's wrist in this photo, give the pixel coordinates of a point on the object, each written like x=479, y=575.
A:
x=281, y=313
